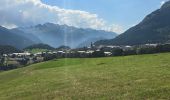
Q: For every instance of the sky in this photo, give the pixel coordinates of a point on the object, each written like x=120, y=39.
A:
x=110, y=15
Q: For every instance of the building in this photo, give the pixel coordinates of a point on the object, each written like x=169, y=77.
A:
x=22, y=54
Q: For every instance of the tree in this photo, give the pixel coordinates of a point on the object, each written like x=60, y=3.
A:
x=117, y=52
x=129, y=52
x=1, y=61
x=4, y=61
x=146, y=50
x=5, y=49
x=98, y=54
x=163, y=48
x=49, y=57
x=24, y=61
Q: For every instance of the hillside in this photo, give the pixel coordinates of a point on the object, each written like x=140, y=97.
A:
x=57, y=35
x=8, y=37
x=40, y=46
x=5, y=49
x=30, y=36
x=36, y=48
x=144, y=77
x=155, y=28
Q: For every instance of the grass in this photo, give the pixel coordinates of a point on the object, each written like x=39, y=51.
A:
x=144, y=77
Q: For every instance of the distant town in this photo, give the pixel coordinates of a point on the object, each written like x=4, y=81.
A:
x=20, y=59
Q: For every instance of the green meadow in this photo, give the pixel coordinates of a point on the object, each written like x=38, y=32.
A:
x=139, y=77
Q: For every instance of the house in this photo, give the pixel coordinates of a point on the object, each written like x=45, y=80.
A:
x=127, y=47
x=22, y=54
x=60, y=52
x=107, y=53
x=5, y=55
x=151, y=45
x=90, y=52
x=38, y=54
x=112, y=46
x=81, y=51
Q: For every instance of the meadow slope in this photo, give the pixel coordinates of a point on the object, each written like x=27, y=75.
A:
x=116, y=78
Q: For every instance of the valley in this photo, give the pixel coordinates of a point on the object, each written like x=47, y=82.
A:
x=85, y=50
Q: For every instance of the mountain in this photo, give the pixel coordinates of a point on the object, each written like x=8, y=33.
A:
x=8, y=37
x=63, y=48
x=33, y=38
x=57, y=35
x=155, y=28
x=89, y=41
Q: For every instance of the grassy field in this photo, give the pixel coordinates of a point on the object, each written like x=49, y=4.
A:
x=143, y=77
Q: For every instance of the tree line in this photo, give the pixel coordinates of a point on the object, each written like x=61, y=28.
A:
x=6, y=49
x=136, y=50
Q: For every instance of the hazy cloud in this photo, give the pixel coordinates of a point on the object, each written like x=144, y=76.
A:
x=31, y=12
x=163, y=2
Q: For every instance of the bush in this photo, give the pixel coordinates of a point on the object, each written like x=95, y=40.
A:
x=24, y=61
x=49, y=57
x=98, y=54
x=117, y=52
x=163, y=48
x=146, y=50
x=129, y=52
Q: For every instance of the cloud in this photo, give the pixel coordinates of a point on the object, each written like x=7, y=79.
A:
x=32, y=12
x=115, y=28
x=163, y=2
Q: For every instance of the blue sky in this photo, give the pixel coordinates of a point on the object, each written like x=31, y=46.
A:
x=120, y=12
x=110, y=15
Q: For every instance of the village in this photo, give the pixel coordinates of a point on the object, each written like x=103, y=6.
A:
x=15, y=60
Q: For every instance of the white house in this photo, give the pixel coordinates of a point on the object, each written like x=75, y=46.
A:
x=22, y=54
x=108, y=53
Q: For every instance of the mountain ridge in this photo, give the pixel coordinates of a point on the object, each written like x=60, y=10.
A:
x=8, y=37
x=155, y=28
x=57, y=35
x=51, y=34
